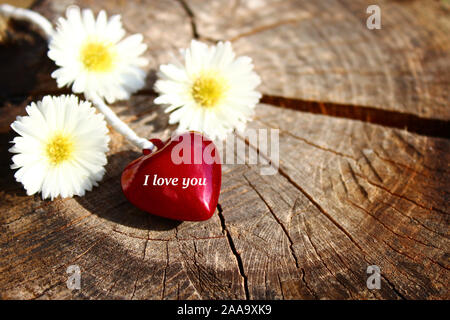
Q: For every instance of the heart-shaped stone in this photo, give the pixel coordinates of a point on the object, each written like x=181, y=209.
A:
x=180, y=181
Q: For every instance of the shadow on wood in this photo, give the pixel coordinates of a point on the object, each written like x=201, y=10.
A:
x=25, y=65
x=123, y=212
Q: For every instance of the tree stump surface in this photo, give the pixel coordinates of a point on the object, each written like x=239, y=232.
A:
x=364, y=176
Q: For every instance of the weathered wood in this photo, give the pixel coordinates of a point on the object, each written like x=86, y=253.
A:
x=382, y=192
x=322, y=50
x=348, y=193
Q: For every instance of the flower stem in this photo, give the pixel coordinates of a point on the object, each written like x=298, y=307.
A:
x=121, y=126
x=46, y=26
x=30, y=16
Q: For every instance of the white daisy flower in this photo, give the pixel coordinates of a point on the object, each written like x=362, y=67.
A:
x=213, y=92
x=61, y=150
x=94, y=57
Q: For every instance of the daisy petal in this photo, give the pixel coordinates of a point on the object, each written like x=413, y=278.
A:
x=213, y=92
x=58, y=135
x=93, y=58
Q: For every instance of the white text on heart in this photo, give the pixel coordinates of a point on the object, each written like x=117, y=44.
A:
x=186, y=182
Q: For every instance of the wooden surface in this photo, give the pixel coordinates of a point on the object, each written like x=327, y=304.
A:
x=354, y=187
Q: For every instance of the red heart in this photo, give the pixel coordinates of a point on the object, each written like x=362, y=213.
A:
x=174, y=199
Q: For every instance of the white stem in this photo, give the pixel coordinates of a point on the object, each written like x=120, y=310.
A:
x=110, y=116
x=28, y=15
x=121, y=126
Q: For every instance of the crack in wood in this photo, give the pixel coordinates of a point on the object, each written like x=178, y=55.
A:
x=388, y=228
x=392, y=119
x=388, y=118
x=328, y=216
x=401, y=196
x=191, y=16
x=414, y=259
x=286, y=232
x=307, y=232
x=234, y=250
x=372, y=168
x=398, y=293
x=363, y=191
x=398, y=164
x=336, y=223
x=287, y=177
x=306, y=284
x=165, y=271
x=415, y=220
x=310, y=198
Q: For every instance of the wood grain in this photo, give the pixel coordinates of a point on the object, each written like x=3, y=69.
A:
x=322, y=50
x=350, y=192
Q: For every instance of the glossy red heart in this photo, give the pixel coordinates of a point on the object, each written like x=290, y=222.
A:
x=158, y=183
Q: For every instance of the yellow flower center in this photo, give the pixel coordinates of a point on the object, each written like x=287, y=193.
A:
x=59, y=148
x=208, y=89
x=97, y=56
